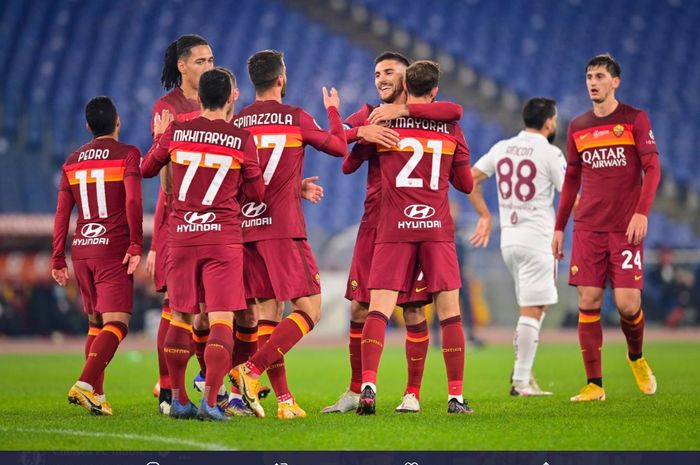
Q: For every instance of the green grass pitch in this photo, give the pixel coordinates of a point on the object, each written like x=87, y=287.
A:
x=36, y=415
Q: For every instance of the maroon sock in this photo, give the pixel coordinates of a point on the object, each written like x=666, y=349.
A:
x=372, y=345
x=453, y=351
x=277, y=373
x=218, y=357
x=178, y=350
x=590, y=337
x=245, y=344
x=163, y=376
x=102, y=350
x=92, y=334
x=199, y=340
x=283, y=338
x=417, y=342
x=633, y=328
x=355, y=346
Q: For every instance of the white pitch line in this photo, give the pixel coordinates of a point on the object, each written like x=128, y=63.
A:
x=137, y=437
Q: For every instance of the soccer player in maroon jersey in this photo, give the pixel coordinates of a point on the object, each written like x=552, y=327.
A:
x=186, y=59
x=280, y=265
x=415, y=228
x=103, y=178
x=212, y=161
x=609, y=147
x=389, y=74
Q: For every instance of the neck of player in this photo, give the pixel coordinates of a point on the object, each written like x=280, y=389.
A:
x=605, y=107
x=221, y=113
x=423, y=99
x=270, y=94
x=189, y=92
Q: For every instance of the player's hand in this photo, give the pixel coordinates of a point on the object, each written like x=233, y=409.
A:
x=558, y=245
x=310, y=190
x=151, y=264
x=378, y=135
x=161, y=122
x=388, y=112
x=132, y=261
x=331, y=99
x=637, y=229
x=60, y=276
x=481, y=235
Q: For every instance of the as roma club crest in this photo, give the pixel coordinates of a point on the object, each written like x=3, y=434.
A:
x=574, y=270
x=618, y=130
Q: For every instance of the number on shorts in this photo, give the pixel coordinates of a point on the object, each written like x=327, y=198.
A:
x=627, y=264
x=277, y=141
x=99, y=177
x=525, y=174
x=403, y=179
x=211, y=160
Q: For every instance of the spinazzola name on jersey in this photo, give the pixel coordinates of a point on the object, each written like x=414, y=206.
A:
x=259, y=119
x=605, y=158
x=417, y=123
x=208, y=137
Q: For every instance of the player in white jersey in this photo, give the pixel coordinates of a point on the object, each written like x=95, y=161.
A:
x=528, y=168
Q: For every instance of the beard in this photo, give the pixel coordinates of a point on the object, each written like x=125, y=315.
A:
x=552, y=135
x=394, y=95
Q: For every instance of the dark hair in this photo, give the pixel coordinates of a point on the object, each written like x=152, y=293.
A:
x=537, y=110
x=264, y=67
x=101, y=116
x=180, y=48
x=234, y=81
x=422, y=77
x=396, y=56
x=214, y=88
x=606, y=60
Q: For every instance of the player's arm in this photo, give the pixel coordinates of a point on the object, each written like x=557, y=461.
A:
x=134, y=211
x=61, y=222
x=358, y=155
x=159, y=218
x=158, y=155
x=333, y=141
x=438, y=111
x=161, y=110
x=569, y=193
x=461, y=175
x=253, y=184
x=358, y=130
x=481, y=235
x=649, y=156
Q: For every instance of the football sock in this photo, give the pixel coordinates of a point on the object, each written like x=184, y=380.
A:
x=355, y=347
x=277, y=373
x=283, y=338
x=245, y=344
x=199, y=340
x=633, y=328
x=590, y=337
x=164, y=377
x=453, y=348
x=93, y=331
x=217, y=355
x=417, y=342
x=178, y=350
x=525, y=344
x=372, y=345
x=102, y=350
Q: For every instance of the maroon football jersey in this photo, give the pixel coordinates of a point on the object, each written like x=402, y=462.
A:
x=414, y=180
x=100, y=177
x=210, y=162
x=183, y=109
x=281, y=133
x=609, y=149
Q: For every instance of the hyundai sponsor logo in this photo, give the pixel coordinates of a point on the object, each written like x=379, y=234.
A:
x=418, y=211
x=199, y=218
x=253, y=210
x=92, y=230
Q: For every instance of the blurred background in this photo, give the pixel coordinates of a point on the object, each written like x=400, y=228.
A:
x=495, y=54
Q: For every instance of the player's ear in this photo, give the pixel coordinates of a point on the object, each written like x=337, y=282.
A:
x=616, y=82
x=181, y=66
x=236, y=93
x=119, y=123
x=433, y=94
x=403, y=83
x=87, y=126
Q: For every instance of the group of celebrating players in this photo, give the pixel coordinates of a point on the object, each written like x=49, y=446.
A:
x=229, y=244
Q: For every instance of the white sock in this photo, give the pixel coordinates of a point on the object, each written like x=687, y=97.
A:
x=525, y=344
x=101, y=398
x=372, y=385
x=459, y=398
x=84, y=385
x=544, y=314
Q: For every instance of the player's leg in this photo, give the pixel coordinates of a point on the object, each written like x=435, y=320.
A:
x=200, y=335
x=245, y=343
x=627, y=275
x=525, y=342
x=217, y=354
x=416, y=349
x=163, y=390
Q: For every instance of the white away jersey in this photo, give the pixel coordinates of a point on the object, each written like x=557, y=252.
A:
x=528, y=169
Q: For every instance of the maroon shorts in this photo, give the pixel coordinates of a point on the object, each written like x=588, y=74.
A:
x=598, y=256
x=104, y=285
x=417, y=295
x=159, y=274
x=394, y=266
x=216, y=270
x=281, y=269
